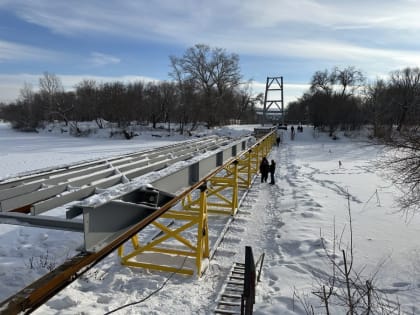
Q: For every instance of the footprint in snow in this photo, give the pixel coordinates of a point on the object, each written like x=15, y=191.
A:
x=62, y=304
x=225, y=252
x=236, y=229
x=298, y=248
x=232, y=239
x=307, y=214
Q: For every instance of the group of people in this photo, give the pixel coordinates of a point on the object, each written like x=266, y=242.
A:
x=292, y=131
x=265, y=168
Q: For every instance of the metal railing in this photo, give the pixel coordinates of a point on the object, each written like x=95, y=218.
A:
x=250, y=280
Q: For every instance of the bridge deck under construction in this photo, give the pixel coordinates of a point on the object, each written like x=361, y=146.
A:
x=142, y=187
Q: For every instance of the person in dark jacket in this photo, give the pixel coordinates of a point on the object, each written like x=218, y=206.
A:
x=264, y=169
x=278, y=140
x=272, y=169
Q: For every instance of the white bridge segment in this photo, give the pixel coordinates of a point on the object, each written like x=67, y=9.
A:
x=32, y=189
x=122, y=207
x=30, y=186
x=67, y=169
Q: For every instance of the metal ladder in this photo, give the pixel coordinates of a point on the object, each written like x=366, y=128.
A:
x=230, y=299
x=238, y=292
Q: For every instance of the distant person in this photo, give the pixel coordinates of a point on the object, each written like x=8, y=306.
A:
x=292, y=133
x=272, y=169
x=278, y=140
x=340, y=164
x=264, y=169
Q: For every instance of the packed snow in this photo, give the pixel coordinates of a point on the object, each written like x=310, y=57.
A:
x=286, y=221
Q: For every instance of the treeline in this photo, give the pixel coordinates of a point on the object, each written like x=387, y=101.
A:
x=205, y=87
x=340, y=98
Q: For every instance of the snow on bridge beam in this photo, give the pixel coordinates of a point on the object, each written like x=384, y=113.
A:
x=107, y=219
x=109, y=215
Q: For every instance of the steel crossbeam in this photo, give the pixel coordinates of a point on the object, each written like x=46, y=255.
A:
x=42, y=221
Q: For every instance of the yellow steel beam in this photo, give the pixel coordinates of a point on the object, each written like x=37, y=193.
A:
x=179, y=270
x=203, y=233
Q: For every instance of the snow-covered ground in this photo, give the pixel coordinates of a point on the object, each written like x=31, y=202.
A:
x=284, y=221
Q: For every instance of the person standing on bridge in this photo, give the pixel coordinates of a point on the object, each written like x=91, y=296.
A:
x=272, y=169
x=264, y=169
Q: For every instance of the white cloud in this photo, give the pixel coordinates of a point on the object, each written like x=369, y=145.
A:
x=16, y=52
x=247, y=26
x=99, y=59
x=331, y=52
x=183, y=19
x=335, y=14
x=336, y=50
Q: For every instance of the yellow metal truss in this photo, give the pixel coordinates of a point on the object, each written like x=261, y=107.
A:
x=220, y=196
x=173, y=257
x=224, y=186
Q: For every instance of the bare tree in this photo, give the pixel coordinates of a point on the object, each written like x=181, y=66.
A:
x=86, y=106
x=404, y=86
x=26, y=113
x=26, y=99
x=212, y=72
x=52, y=92
x=135, y=99
x=322, y=81
x=184, y=114
x=169, y=100
x=404, y=163
x=49, y=86
x=2, y=106
x=154, y=104
x=397, y=102
x=377, y=109
x=332, y=100
x=348, y=79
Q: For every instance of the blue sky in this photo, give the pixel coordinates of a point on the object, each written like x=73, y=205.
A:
x=129, y=40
